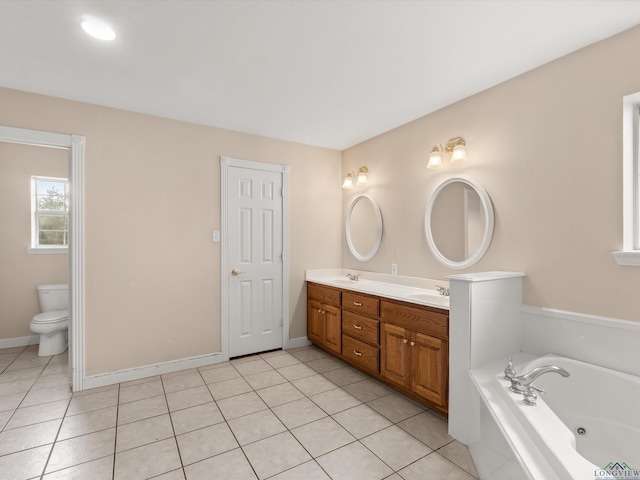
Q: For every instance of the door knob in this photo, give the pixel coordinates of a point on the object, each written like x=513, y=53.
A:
x=234, y=272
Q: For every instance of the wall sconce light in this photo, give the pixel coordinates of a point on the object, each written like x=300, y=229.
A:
x=454, y=147
x=361, y=178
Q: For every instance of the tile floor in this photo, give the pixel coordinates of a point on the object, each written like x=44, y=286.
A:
x=293, y=415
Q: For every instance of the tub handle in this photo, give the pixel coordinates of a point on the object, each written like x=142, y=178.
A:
x=530, y=396
x=541, y=391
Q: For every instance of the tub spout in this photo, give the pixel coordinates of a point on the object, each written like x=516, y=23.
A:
x=520, y=383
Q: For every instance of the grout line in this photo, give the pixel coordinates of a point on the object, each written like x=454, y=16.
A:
x=173, y=429
x=115, y=436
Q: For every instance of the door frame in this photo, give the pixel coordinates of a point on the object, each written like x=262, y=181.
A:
x=226, y=163
x=75, y=145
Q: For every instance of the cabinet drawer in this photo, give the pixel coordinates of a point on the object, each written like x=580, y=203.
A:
x=360, y=327
x=323, y=294
x=415, y=318
x=359, y=303
x=360, y=353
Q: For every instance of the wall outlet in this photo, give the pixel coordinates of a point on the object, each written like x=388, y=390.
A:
x=394, y=269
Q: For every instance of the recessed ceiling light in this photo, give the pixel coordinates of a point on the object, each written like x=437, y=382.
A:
x=97, y=28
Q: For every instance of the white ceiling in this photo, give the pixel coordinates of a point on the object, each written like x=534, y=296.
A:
x=321, y=72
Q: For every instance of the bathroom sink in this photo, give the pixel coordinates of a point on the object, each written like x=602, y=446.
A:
x=344, y=282
x=426, y=297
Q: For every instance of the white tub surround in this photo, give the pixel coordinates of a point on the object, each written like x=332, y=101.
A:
x=585, y=423
x=417, y=290
x=493, y=448
x=608, y=342
x=484, y=324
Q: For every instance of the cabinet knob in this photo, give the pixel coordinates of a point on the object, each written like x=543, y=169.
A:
x=357, y=327
x=412, y=343
x=357, y=353
x=404, y=340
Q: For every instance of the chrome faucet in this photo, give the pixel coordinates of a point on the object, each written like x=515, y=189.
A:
x=442, y=290
x=522, y=383
x=352, y=276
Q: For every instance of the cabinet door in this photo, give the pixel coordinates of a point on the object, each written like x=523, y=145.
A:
x=430, y=368
x=332, y=328
x=315, y=324
x=395, y=355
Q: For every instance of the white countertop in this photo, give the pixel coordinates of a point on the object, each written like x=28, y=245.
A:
x=421, y=291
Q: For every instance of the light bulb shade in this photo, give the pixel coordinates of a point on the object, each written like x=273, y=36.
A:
x=363, y=175
x=459, y=155
x=435, y=159
x=348, y=182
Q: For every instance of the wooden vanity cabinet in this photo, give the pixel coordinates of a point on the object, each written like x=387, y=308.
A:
x=402, y=344
x=324, y=317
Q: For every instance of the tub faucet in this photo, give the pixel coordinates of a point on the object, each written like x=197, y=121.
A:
x=352, y=276
x=442, y=290
x=522, y=383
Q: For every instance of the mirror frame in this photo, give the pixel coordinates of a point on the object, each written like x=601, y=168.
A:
x=368, y=256
x=488, y=223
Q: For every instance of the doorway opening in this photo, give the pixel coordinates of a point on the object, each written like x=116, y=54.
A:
x=75, y=146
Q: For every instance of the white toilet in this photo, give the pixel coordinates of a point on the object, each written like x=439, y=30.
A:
x=53, y=323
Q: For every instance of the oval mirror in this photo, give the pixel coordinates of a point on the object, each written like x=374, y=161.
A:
x=364, y=228
x=459, y=222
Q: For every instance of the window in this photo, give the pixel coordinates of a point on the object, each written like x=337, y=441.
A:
x=50, y=212
x=630, y=254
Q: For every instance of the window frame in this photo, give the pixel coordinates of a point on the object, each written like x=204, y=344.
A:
x=35, y=229
x=630, y=253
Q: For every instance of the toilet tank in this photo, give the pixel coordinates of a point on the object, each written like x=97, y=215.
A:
x=53, y=296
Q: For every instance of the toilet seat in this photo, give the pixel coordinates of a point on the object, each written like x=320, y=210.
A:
x=51, y=317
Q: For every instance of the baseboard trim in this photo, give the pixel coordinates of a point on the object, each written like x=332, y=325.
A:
x=19, y=341
x=298, y=342
x=121, y=376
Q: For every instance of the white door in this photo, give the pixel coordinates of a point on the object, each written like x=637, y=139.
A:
x=254, y=259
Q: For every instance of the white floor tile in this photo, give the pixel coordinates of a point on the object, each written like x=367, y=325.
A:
x=396, y=447
x=354, y=462
x=232, y=465
x=147, y=461
x=81, y=449
x=275, y=454
x=205, y=442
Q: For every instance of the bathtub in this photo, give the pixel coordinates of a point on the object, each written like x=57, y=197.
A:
x=582, y=425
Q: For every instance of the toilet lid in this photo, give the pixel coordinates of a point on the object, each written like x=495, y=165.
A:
x=50, y=317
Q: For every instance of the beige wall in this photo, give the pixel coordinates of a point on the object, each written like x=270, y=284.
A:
x=21, y=272
x=152, y=201
x=547, y=147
